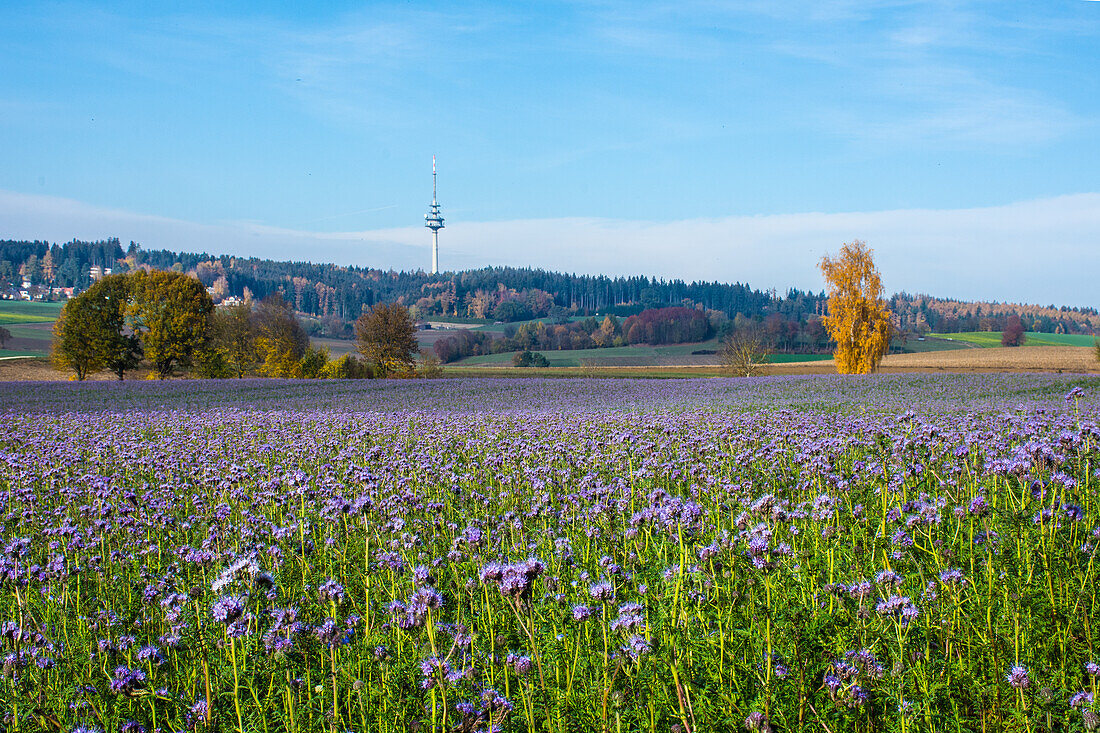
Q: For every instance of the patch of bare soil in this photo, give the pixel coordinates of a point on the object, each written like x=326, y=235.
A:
x=37, y=369
x=1019, y=359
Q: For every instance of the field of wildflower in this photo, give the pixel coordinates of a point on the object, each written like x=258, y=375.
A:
x=885, y=553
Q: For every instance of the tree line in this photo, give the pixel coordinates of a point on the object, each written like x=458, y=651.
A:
x=334, y=296
x=329, y=291
x=656, y=326
x=168, y=322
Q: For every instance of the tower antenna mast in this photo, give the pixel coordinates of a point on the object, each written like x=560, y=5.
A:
x=434, y=221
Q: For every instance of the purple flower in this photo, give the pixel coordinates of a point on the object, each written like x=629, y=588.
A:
x=332, y=591
x=900, y=607
x=630, y=617
x=602, y=591
x=952, y=576
x=756, y=721
x=582, y=612
x=327, y=632
x=1081, y=699
x=227, y=609
x=636, y=646
x=1017, y=677
x=241, y=626
x=889, y=578
x=126, y=681
x=493, y=702
x=428, y=669
x=522, y=665
x=517, y=580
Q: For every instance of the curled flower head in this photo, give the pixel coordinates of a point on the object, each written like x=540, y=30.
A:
x=127, y=681
x=227, y=609
x=636, y=646
x=327, y=632
x=332, y=591
x=756, y=722
x=1081, y=699
x=517, y=579
x=521, y=664
x=889, y=578
x=979, y=507
x=493, y=702
x=422, y=576
x=602, y=591
x=952, y=576
x=428, y=669
x=1018, y=678
x=899, y=607
x=150, y=653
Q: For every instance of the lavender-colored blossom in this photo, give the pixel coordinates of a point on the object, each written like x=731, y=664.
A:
x=1018, y=677
x=331, y=591
x=127, y=681
x=756, y=721
x=602, y=591
x=1081, y=699
x=227, y=609
x=494, y=703
x=521, y=664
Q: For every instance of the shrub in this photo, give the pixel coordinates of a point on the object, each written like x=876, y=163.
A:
x=347, y=367
x=529, y=359
x=743, y=353
x=430, y=367
x=313, y=362
x=1013, y=335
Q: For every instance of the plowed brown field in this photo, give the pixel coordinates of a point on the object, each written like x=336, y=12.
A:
x=1021, y=359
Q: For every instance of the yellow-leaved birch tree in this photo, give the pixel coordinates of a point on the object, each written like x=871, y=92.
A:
x=858, y=319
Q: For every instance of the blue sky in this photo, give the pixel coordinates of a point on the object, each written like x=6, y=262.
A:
x=688, y=139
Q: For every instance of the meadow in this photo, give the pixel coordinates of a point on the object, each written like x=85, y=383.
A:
x=992, y=339
x=884, y=553
x=672, y=355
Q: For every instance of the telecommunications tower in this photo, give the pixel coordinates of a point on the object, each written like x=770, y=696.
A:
x=434, y=221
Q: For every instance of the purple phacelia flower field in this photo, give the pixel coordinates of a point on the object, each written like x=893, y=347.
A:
x=885, y=553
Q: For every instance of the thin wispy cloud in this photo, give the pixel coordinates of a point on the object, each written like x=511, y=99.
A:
x=1040, y=251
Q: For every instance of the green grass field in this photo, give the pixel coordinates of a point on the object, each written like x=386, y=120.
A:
x=991, y=339
x=20, y=311
x=6, y=318
x=625, y=356
x=912, y=346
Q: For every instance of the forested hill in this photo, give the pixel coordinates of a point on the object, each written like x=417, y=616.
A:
x=502, y=293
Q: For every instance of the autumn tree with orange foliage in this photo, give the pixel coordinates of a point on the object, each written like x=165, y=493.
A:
x=858, y=319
